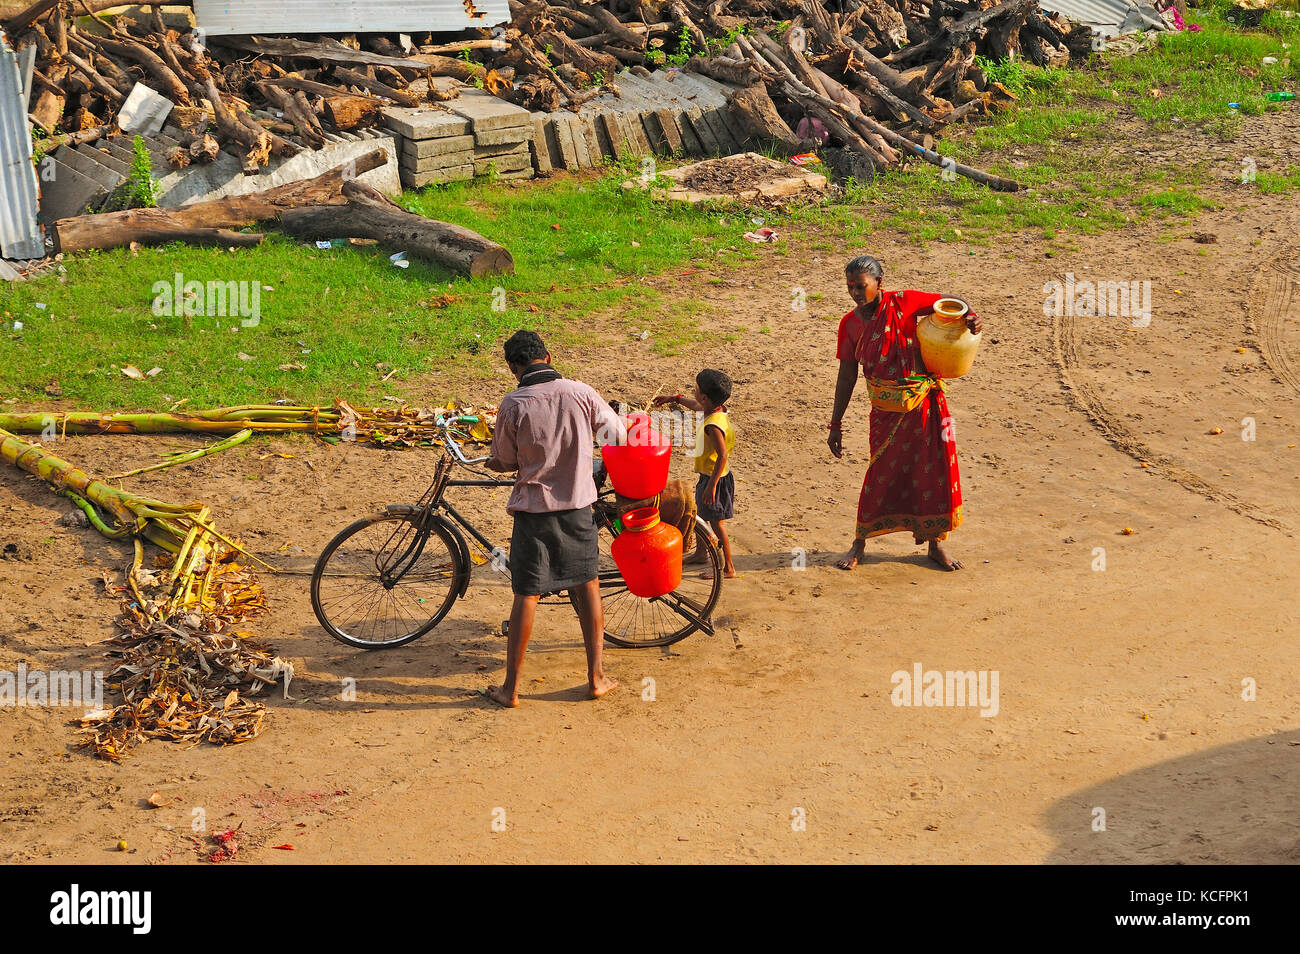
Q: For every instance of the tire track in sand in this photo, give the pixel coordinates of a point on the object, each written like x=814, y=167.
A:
x=1083, y=397
x=1277, y=286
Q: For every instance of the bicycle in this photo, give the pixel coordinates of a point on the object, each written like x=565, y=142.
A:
x=389, y=578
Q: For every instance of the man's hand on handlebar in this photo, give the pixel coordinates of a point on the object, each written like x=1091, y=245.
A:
x=496, y=466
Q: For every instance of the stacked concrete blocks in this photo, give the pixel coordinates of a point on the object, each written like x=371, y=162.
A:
x=474, y=135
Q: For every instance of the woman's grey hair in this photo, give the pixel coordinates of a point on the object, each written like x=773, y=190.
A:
x=864, y=264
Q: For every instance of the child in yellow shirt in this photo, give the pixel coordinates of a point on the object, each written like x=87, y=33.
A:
x=715, y=490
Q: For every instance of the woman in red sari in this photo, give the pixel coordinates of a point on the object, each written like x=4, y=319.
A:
x=912, y=482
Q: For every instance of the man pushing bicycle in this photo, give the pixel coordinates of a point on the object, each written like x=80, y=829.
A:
x=545, y=431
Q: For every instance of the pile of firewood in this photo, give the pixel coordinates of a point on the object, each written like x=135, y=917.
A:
x=878, y=77
x=235, y=94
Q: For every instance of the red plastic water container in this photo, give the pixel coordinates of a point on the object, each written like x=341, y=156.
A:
x=639, y=468
x=648, y=553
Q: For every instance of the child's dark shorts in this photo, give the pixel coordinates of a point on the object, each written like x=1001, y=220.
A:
x=551, y=552
x=724, y=500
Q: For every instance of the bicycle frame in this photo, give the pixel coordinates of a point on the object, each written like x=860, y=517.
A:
x=455, y=521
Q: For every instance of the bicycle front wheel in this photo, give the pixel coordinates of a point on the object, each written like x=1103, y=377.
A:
x=634, y=622
x=383, y=582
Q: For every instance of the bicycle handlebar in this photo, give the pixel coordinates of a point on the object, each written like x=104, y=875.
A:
x=450, y=443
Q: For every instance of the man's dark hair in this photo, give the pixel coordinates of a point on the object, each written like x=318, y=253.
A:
x=715, y=385
x=864, y=264
x=525, y=347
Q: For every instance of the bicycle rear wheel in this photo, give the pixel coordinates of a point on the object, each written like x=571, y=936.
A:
x=378, y=584
x=634, y=622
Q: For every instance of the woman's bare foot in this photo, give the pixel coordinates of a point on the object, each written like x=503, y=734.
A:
x=850, y=559
x=602, y=685
x=499, y=695
x=940, y=556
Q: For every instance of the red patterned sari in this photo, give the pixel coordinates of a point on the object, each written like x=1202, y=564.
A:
x=912, y=482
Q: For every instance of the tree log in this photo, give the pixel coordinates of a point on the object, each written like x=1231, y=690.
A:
x=113, y=229
x=107, y=89
x=727, y=70
x=370, y=215
x=756, y=112
x=172, y=87
x=349, y=112
x=372, y=85
x=450, y=66
x=48, y=108
x=328, y=51
x=147, y=227
x=303, y=119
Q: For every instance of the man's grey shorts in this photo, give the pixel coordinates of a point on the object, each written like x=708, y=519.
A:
x=551, y=552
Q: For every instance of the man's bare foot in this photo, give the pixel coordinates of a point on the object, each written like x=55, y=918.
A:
x=601, y=686
x=726, y=574
x=940, y=556
x=850, y=559
x=498, y=695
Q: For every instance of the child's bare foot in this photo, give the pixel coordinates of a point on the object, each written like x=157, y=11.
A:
x=602, y=685
x=940, y=556
x=850, y=559
x=499, y=695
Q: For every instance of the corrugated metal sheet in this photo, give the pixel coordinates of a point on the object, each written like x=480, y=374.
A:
x=1110, y=17
x=224, y=17
x=20, y=235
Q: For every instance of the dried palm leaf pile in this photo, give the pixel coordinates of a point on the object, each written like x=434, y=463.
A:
x=185, y=668
x=185, y=675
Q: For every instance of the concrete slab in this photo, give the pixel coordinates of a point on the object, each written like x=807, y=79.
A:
x=68, y=193
x=503, y=164
x=613, y=141
x=545, y=155
x=540, y=156
x=504, y=136
x=424, y=148
x=88, y=167
x=416, y=123
x=445, y=161
x=633, y=141
x=520, y=174
x=103, y=158
x=738, y=131
x=591, y=132
x=225, y=176
x=559, y=127
x=700, y=127
x=713, y=116
x=115, y=148
x=509, y=149
x=704, y=96
x=484, y=111
x=418, y=180
x=665, y=133
x=581, y=150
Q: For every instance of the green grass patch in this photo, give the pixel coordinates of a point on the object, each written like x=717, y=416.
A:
x=347, y=315
x=1275, y=183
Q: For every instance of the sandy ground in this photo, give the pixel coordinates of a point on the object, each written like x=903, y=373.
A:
x=1120, y=690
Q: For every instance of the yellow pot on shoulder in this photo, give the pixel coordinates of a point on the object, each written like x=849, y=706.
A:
x=947, y=346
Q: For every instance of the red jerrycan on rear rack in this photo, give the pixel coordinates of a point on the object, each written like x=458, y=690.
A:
x=639, y=468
